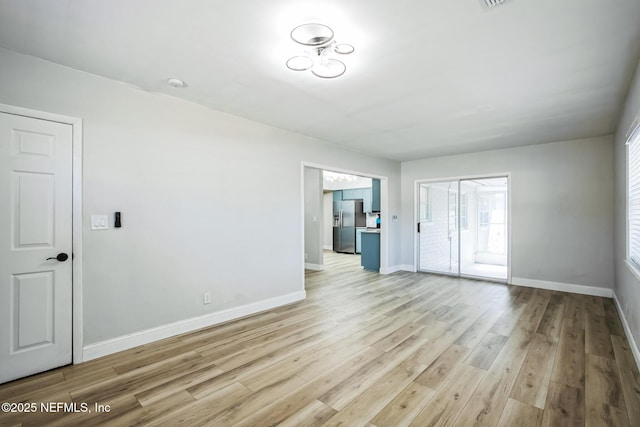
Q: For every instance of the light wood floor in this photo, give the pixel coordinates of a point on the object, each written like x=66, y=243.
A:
x=368, y=350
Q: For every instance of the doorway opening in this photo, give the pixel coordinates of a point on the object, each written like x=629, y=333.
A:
x=463, y=227
x=339, y=206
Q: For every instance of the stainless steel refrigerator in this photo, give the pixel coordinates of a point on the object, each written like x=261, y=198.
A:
x=347, y=215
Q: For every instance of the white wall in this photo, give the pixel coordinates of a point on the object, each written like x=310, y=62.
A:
x=327, y=223
x=562, y=206
x=627, y=288
x=313, y=208
x=195, y=188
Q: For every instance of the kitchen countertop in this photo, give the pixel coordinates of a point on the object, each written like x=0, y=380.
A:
x=371, y=230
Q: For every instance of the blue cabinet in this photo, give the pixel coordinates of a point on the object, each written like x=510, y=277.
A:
x=366, y=199
x=375, y=195
x=337, y=196
x=352, y=194
x=370, y=258
x=363, y=194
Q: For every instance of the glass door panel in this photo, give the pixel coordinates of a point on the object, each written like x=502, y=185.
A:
x=484, y=227
x=438, y=222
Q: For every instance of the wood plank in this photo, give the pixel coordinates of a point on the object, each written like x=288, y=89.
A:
x=435, y=374
x=446, y=404
x=343, y=393
x=564, y=407
x=118, y=406
x=604, y=415
x=396, y=337
x=523, y=333
x=404, y=407
x=314, y=414
x=476, y=332
x=486, y=404
x=317, y=367
x=298, y=399
x=597, y=336
x=593, y=305
x=569, y=365
x=532, y=383
x=520, y=414
x=244, y=408
x=198, y=372
x=204, y=410
x=361, y=409
x=602, y=384
x=505, y=324
x=136, y=381
x=28, y=385
x=487, y=350
x=551, y=322
x=574, y=310
x=38, y=418
x=629, y=378
x=156, y=409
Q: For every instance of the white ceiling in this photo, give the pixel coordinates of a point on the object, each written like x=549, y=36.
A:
x=427, y=78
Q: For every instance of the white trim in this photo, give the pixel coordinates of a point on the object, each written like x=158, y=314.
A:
x=563, y=287
x=316, y=267
x=114, y=345
x=327, y=247
x=76, y=125
x=633, y=269
x=627, y=330
x=408, y=267
x=392, y=269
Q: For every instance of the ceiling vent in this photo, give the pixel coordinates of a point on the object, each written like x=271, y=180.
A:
x=492, y=3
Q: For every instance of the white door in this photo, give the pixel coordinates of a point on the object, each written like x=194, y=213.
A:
x=35, y=225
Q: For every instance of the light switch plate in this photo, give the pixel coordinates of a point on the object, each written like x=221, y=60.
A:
x=99, y=222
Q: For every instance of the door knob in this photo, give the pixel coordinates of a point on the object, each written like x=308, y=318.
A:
x=60, y=257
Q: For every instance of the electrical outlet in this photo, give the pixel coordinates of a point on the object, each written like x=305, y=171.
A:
x=206, y=298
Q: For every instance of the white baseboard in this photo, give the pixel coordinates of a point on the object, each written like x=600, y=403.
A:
x=627, y=331
x=114, y=345
x=328, y=247
x=390, y=270
x=408, y=267
x=316, y=267
x=563, y=287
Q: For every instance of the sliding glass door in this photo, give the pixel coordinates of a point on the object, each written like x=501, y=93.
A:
x=483, y=236
x=463, y=227
x=439, y=227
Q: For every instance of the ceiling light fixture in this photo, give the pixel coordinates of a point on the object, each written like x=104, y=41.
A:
x=320, y=48
x=492, y=3
x=176, y=83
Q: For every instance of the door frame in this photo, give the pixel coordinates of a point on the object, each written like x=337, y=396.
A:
x=384, y=209
x=416, y=218
x=76, y=228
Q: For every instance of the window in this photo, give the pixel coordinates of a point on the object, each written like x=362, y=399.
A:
x=425, y=203
x=633, y=196
x=484, y=208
